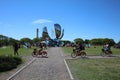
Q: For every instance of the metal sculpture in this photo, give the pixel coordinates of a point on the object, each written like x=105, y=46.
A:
x=58, y=31
x=58, y=35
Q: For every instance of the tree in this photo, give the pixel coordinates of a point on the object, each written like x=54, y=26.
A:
x=119, y=42
x=5, y=41
x=36, y=41
x=23, y=40
x=87, y=41
x=96, y=41
x=78, y=40
x=102, y=41
x=12, y=41
x=66, y=42
x=111, y=42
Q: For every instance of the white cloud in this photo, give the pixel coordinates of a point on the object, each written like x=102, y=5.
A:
x=40, y=21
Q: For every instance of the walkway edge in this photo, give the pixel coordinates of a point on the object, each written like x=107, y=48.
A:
x=71, y=76
x=21, y=69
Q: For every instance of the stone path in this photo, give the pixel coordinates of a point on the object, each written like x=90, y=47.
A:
x=51, y=68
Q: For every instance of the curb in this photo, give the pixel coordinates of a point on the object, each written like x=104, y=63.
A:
x=70, y=74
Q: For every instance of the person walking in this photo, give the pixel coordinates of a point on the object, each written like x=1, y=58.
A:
x=15, y=47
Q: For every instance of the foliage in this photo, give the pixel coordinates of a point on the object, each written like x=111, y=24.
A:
x=12, y=41
x=101, y=41
x=9, y=62
x=87, y=41
x=25, y=40
x=5, y=41
x=37, y=40
x=78, y=40
x=66, y=42
x=119, y=43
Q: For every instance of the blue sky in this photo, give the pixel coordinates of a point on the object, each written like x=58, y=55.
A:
x=86, y=19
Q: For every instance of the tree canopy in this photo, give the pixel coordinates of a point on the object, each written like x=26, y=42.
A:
x=78, y=40
x=101, y=41
x=4, y=40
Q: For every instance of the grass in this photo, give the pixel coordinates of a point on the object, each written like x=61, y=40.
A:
x=8, y=60
x=9, y=51
x=94, y=69
x=6, y=51
x=91, y=51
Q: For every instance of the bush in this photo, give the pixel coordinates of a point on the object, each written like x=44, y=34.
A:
x=9, y=62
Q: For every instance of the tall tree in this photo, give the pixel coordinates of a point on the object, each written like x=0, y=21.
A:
x=101, y=41
x=23, y=40
x=78, y=40
x=36, y=41
x=87, y=41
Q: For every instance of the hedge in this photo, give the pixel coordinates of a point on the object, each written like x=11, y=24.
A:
x=9, y=62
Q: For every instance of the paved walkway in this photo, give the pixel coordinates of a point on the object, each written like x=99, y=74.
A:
x=51, y=68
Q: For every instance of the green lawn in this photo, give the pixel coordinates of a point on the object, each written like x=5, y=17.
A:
x=9, y=61
x=92, y=50
x=94, y=69
x=9, y=51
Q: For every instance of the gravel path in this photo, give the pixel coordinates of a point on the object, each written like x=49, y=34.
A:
x=51, y=68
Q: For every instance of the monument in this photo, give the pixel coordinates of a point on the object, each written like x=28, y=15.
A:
x=56, y=41
x=37, y=32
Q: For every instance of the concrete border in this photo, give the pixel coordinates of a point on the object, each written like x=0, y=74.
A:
x=21, y=69
x=70, y=74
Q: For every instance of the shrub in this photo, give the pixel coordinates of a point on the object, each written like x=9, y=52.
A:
x=9, y=62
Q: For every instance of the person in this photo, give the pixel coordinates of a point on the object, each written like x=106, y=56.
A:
x=41, y=46
x=107, y=47
x=15, y=47
x=45, y=47
x=79, y=47
x=34, y=51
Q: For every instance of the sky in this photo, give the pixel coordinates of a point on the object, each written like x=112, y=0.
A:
x=86, y=19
